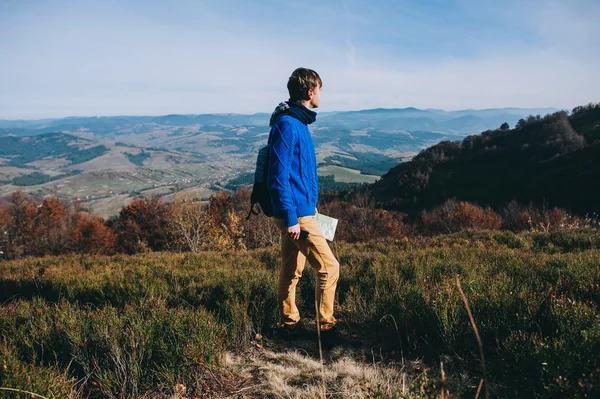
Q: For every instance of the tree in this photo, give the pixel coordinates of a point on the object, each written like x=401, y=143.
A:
x=143, y=225
x=196, y=228
x=21, y=231
x=5, y=222
x=260, y=231
x=521, y=123
x=221, y=209
x=51, y=231
x=191, y=225
x=90, y=235
x=504, y=127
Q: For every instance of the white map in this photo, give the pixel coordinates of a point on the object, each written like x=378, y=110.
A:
x=327, y=225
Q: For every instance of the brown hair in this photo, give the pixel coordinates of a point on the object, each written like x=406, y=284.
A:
x=301, y=81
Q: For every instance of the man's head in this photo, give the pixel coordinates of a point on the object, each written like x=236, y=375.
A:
x=305, y=86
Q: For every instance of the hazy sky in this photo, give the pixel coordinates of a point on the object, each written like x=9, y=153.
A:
x=119, y=57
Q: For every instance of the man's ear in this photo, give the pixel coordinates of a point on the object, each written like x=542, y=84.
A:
x=309, y=94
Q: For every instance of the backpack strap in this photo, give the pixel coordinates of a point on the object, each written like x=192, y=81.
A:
x=253, y=212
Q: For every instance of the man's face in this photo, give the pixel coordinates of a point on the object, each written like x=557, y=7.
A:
x=315, y=97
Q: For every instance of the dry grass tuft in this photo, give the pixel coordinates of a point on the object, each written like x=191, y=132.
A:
x=292, y=374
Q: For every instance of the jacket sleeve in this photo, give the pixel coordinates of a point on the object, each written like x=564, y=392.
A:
x=281, y=151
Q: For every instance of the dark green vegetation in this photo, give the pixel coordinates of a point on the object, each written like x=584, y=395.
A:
x=138, y=159
x=551, y=160
x=125, y=326
x=328, y=183
x=31, y=179
x=39, y=178
x=21, y=150
x=87, y=154
x=245, y=179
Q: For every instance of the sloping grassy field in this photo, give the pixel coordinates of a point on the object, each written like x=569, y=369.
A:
x=148, y=325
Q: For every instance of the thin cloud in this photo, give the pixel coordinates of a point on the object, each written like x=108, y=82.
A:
x=350, y=49
x=87, y=58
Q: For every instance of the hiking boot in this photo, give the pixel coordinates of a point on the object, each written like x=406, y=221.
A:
x=331, y=337
x=294, y=331
x=338, y=336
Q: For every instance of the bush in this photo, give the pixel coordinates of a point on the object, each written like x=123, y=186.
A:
x=48, y=380
x=132, y=352
x=517, y=217
x=195, y=228
x=361, y=222
x=89, y=235
x=455, y=216
x=143, y=225
x=537, y=314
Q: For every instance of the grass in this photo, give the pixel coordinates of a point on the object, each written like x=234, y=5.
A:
x=129, y=326
x=293, y=374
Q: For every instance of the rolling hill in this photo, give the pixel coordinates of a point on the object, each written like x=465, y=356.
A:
x=106, y=161
x=103, y=175
x=551, y=161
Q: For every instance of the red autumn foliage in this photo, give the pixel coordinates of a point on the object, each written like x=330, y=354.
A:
x=90, y=235
x=453, y=216
x=28, y=228
x=4, y=224
x=143, y=225
x=51, y=234
x=219, y=205
x=517, y=217
x=21, y=227
x=360, y=222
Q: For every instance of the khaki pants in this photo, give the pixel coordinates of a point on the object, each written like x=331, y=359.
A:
x=294, y=254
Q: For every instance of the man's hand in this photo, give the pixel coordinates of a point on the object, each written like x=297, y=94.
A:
x=293, y=232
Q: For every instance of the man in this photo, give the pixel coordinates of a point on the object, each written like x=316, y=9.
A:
x=293, y=186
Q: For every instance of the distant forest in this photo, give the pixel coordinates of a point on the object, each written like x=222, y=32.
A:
x=19, y=151
x=549, y=161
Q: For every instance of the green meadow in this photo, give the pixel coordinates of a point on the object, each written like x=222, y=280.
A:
x=137, y=326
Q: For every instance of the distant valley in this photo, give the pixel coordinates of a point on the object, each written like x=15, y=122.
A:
x=105, y=162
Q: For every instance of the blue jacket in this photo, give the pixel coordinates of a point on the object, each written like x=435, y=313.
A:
x=292, y=178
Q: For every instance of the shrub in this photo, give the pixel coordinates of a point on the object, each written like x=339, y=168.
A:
x=132, y=352
x=143, y=225
x=193, y=228
x=360, y=222
x=455, y=216
x=89, y=235
x=258, y=231
x=21, y=226
x=409, y=300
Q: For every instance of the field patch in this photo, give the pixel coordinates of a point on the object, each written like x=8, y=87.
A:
x=346, y=175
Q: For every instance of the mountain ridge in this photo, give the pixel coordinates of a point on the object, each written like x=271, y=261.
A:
x=550, y=160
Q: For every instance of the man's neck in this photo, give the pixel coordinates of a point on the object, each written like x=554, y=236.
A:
x=307, y=104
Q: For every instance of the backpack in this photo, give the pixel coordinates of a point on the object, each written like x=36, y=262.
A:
x=260, y=192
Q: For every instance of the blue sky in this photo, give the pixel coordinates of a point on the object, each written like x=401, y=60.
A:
x=119, y=57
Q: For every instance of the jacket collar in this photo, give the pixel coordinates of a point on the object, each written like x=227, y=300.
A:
x=294, y=109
